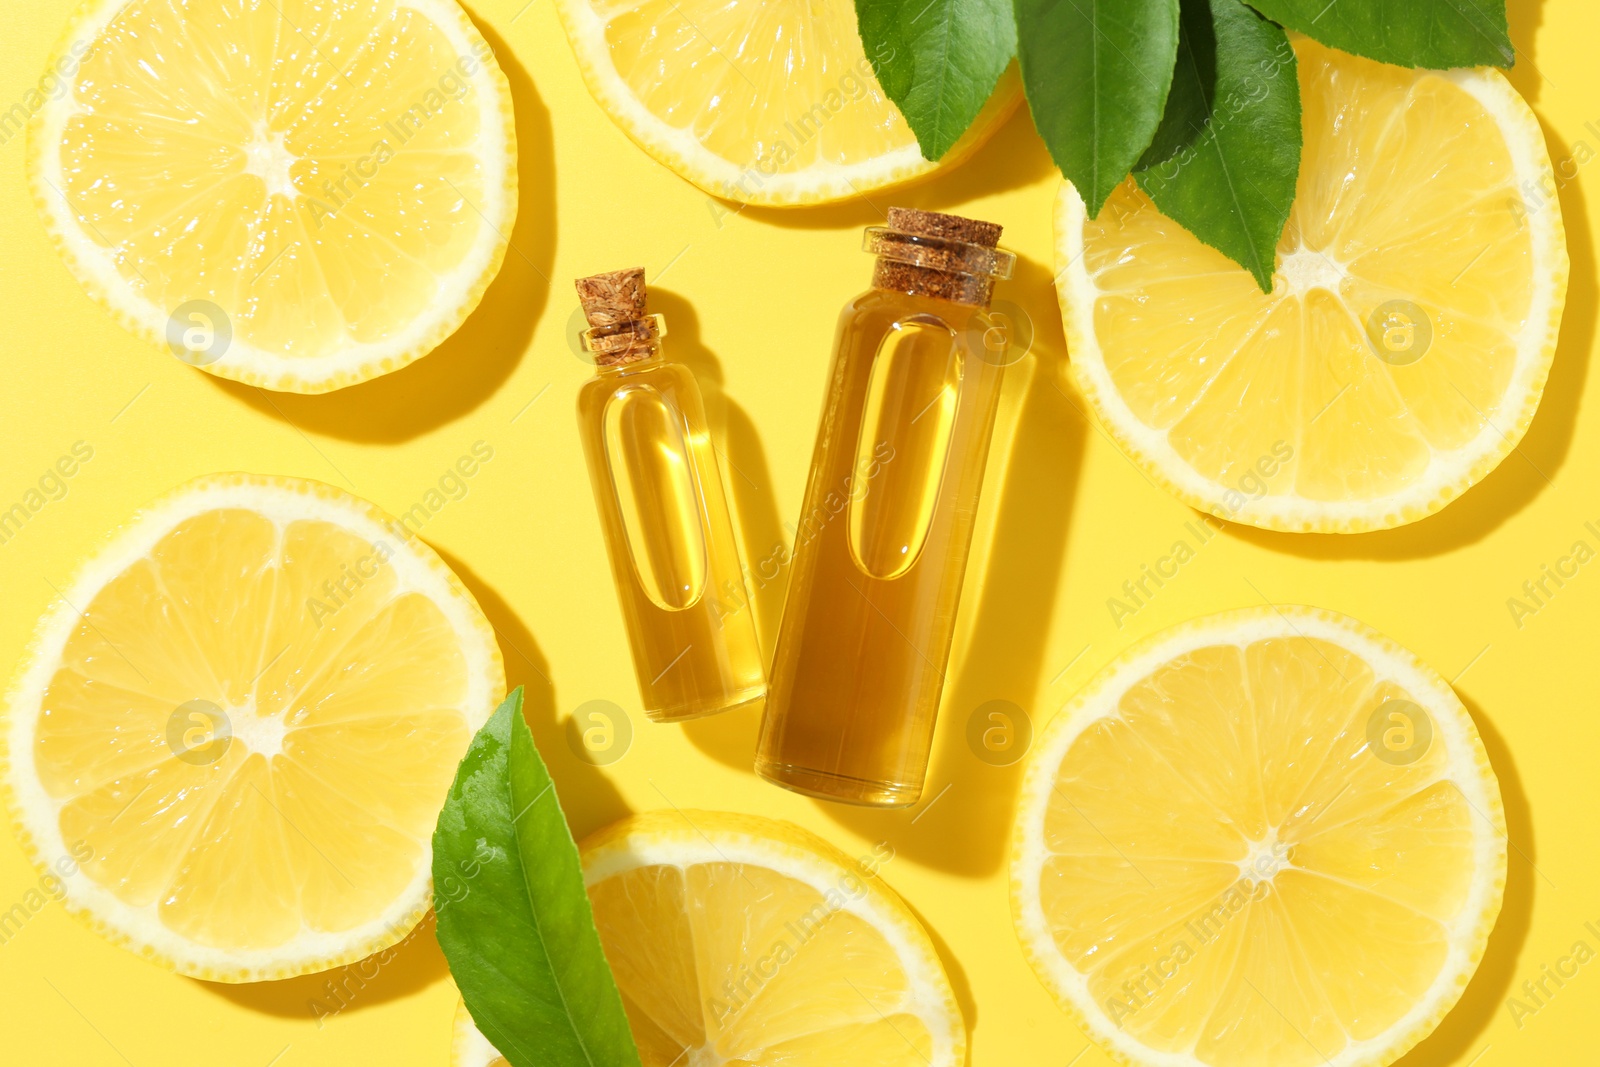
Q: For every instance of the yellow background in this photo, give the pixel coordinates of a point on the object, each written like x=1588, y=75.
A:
x=751, y=299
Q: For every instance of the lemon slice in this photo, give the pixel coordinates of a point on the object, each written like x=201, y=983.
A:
x=241, y=721
x=296, y=195
x=1408, y=335
x=1266, y=838
x=759, y=101
x=738, y=940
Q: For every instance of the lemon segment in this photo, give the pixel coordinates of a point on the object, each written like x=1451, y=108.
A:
x=296, y=195
x=1404, y=347
x=1268, y=837
x=740, y=940
x=247, y=732
x=756, y=100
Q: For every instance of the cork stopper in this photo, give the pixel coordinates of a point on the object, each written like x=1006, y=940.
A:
x=926, y=253
x=620, y=330
x=934, y=224
x=613, y=298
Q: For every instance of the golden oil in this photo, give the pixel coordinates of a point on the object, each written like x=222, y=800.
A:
x=664, y=513
x=882, y=541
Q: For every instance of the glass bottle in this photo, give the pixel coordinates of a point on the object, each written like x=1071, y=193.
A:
x=663, y=511
x=882, y=541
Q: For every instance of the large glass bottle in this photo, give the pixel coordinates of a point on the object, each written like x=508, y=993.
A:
x=882, y=541
x=667, y=527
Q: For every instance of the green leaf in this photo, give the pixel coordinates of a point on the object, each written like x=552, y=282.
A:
x=1411, y=33
x=938, y=60
x=513, y=918
x=1225, y=160
x=1096, y=73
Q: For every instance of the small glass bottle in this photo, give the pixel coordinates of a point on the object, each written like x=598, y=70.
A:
x=665, y=516
x=882, y=541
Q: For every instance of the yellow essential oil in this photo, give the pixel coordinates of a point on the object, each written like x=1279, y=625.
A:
x=664, y=513
x=881, y=545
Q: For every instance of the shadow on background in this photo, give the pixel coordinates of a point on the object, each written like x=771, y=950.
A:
x=1524, y=18
x=1012, y=158
x=471, y=363
x=399, y=971
x=587, y=796
x=963, y=822
x=730, y=737
x=1485, y=995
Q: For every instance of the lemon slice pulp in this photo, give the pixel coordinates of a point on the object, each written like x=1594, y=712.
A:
x=296, y=195
x=1266, y=838
x=757, y=101
x=246, y=733
x=1406, y=342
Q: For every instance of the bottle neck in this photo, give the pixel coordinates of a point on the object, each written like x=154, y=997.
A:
x=646, y=355
x=625, y=344
x=968, y=289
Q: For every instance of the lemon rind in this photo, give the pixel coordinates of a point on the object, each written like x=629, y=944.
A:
x=1461, y=469
x=1472, y=774
x=34, y=817
x=468, y=1046
x=357, y=361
